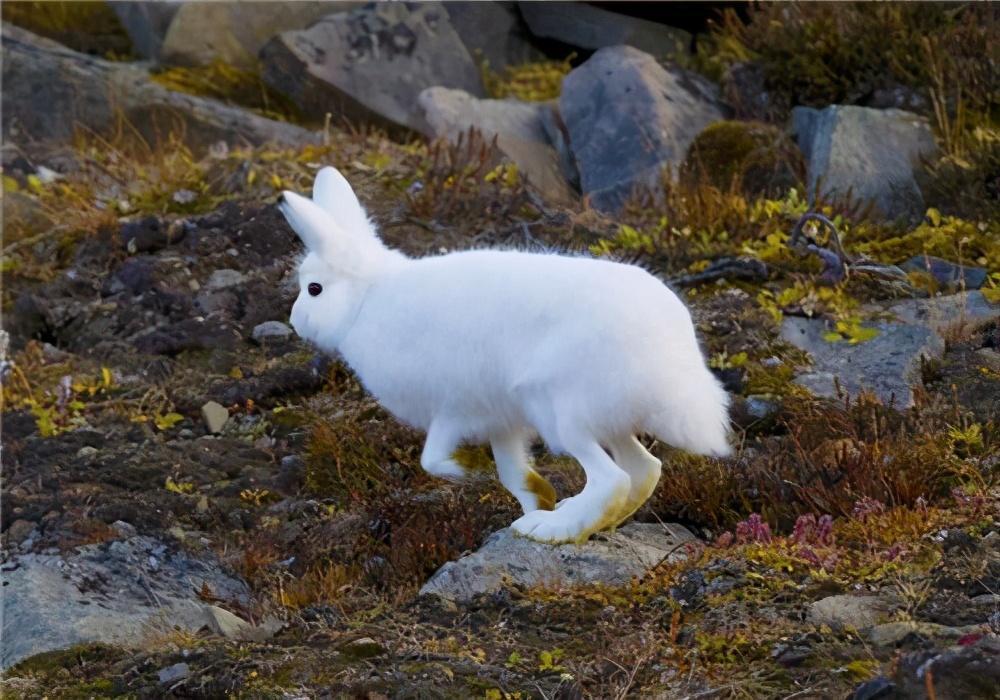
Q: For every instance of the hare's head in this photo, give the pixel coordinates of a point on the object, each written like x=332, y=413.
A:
x=343, y=255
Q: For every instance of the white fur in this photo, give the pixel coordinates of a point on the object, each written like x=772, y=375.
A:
x=500, y=346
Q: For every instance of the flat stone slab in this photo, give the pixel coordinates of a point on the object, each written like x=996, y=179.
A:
x=889, y=364
x=123, y=592
x=506, y=558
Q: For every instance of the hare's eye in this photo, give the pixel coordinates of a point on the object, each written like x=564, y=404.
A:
x=315, y=288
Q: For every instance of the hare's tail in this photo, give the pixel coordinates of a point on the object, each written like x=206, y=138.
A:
x=698, y=421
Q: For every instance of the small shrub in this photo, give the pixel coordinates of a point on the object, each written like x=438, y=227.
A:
x=753, y=158
x=818, y=54
x=228, y=83
x=463, y=181
x=359, y=458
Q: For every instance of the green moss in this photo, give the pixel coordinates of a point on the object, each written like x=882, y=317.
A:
x=228, y=83
x=52, y=661
x=533, y=82
x=750, y=157
x=968, y=242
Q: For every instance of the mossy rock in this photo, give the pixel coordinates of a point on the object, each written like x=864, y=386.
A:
x=751, y=157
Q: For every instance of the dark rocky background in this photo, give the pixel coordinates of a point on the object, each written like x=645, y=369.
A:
x=196, y=504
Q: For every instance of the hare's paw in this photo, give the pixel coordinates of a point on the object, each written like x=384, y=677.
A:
x=447, y=469
x=574, y=519
x=547, y=526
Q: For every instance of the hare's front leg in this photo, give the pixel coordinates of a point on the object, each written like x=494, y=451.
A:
x=596, y=507
x=529, y=487
x=642, y=468
x=442, y=441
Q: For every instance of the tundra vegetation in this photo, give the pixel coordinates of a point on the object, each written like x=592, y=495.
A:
x=314, y=496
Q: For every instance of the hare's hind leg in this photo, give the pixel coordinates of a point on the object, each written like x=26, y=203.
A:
x=529, y=487
x=442, y=441
x=594, y=508
x=642, y=468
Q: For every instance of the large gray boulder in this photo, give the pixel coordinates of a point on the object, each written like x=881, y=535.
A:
x=235, y=32
x=517, y=126
x=505, y=558
x=49, y=91
x=146, y=23
x=123, y=592
x=870, y=154
x=493, y=31
x=889, y=364
x=588, y=27
x=370, y=64
x=628, y=118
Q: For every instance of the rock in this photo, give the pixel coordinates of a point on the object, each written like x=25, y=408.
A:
x=493, y=31
x=271, y=331
x=757, y=159
x=959, y=673
x=124, y=529
x=215, y=416
x=588, y=27
x=106, y=592
x=875, y=689
x=50, y=90
x=890, y=634
x=370, y=64
x=225, y=623
x=19, y=531
x=612, y=559
x=950, y=277
x=871, y=154
x=841, y=612
x=628, y=118
x=151, y=234
x=172, y=674
x=558, y=136
x=517, y=126
x=888, y=365
x=364, y=648
x=947, y=313
x=989, y=357
x=225, y=277
x=146, y=23
x=756, y=412
x=234, y=32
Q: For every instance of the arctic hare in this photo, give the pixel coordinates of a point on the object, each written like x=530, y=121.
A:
x=501, y=346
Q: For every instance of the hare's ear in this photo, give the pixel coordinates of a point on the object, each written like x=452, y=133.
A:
x=315, y=227
x=333, y=192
